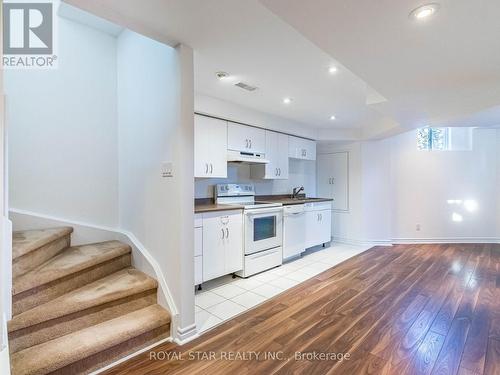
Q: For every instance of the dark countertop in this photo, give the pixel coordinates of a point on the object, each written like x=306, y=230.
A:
x=207, y=204
x=285, y=200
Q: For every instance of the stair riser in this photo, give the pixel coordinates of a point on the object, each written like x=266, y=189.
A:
x=42, y=294
x=39, y=256
x=39, y=333
x=113, y=354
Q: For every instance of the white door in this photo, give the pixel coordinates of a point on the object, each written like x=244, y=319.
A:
x=340, y=181
x=324, y=167
x=213, y=247
x=246, y=138
x=234, y=243
x=210, y=147
x=332, y=178
x=282, y=156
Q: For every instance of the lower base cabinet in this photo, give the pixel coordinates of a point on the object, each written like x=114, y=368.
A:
x=218, y=244
x=318, y=223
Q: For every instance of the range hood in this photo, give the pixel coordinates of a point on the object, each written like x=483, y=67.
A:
x=246, y=157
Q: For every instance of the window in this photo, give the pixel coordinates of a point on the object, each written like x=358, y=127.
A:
x=432, y=138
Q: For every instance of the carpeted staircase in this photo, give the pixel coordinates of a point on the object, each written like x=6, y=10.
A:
x=77, y=309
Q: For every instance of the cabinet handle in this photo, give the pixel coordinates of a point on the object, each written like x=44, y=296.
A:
x=227, y=232
x=250, y=143
x=206, y=168
x=276, y=172
x=222, y=230
x=320, y=217
x=279, y=170
x=211, y=168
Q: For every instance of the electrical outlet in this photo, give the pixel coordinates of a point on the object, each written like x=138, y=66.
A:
x=167, y=169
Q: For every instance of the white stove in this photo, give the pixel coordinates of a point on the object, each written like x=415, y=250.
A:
x=263, y=227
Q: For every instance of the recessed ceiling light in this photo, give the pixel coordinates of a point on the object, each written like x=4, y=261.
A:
x=332, y=117
x=424, y=11
x=221, y=75
x=332, y=70
x=287, y=100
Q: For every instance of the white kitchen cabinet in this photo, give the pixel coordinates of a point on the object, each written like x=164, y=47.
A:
x=300, y=148
x=333, y=179
x=210, y=147
x=277, y=154
x=198, y=249
x=222, y=243
x=318, y=223
x=246, y=138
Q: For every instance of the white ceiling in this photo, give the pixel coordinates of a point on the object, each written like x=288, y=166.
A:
x=446, y=71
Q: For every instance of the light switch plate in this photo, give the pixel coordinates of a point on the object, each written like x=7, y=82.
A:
x=167, y=169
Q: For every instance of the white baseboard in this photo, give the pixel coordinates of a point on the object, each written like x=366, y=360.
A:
x=356, y=242
x=89, y=233
x=451, y=240
x=186, y=334
x=124, y=359
x=4, y=350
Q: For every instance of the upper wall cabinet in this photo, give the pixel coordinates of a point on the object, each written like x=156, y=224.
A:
x=245, y=138
x=277, y=154
x=210, y=147
x=300, y=148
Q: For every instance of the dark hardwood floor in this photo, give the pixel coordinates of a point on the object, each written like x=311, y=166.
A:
x=407, y=309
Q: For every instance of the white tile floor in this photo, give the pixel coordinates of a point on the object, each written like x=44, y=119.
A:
x=223, y=298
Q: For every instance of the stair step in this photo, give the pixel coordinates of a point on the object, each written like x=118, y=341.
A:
x=79, y=351
x=69, y=270
x=123, y=291
x=26, y=241
x=31, y=248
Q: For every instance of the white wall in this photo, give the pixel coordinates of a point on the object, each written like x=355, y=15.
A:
x=301, y=173
x=422, y=182
x=152, y=129
x=394, y=187
x=235, y=112
x=63, y=135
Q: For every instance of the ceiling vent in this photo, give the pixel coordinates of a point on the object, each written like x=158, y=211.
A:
x=244, y=86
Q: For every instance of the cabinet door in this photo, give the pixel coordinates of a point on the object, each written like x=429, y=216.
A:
x=213, y=247
x=272, y=154
x=310, y=149
x=210, y=147
x=300, y=148
x=324, y=168
x=324, y=227
x=198, y=270
x=293, y=147
x=282, y=157
x=312, y=228
x=234, y=243
x=340, y=180
x=246, y=138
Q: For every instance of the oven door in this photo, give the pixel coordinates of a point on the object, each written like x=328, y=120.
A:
x=263, y=229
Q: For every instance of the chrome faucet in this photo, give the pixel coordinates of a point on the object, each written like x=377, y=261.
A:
x=296, y=191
